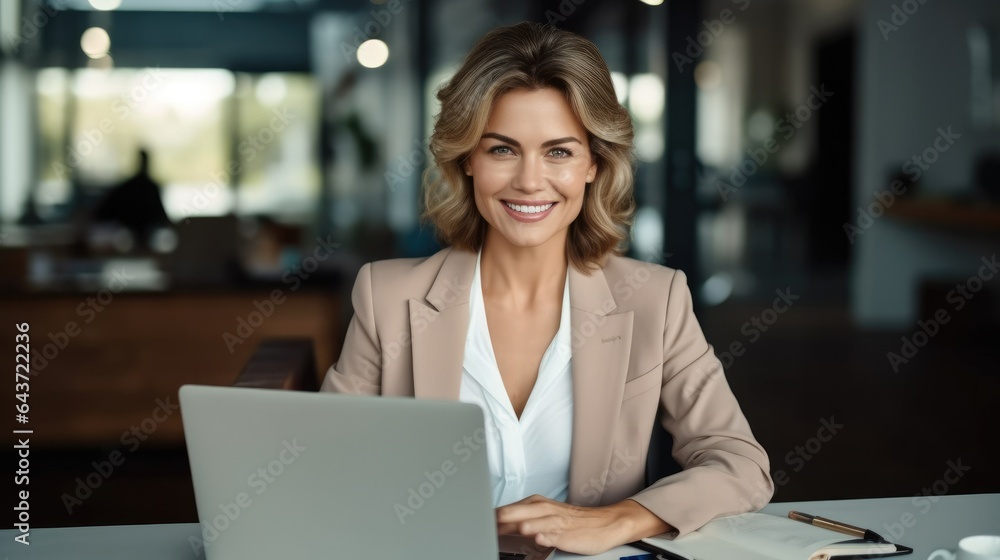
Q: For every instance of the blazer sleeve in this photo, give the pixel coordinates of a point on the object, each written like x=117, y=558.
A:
x=358, y=369
x=726, y=471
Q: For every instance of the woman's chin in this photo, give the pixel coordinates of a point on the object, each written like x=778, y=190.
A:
x=518, y=239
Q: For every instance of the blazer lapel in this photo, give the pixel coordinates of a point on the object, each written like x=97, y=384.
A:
x=438, y=328
x=601, y=342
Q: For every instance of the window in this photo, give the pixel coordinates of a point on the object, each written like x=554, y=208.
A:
x=219, y=142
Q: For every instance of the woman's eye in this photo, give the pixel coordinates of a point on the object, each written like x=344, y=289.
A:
x=561, y=152
x=500, y=150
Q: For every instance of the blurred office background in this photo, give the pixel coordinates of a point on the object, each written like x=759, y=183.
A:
x=182, y=179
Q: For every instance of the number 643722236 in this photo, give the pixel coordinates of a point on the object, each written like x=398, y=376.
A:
x=21, y=370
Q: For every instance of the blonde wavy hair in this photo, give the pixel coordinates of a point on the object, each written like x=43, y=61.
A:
x=533, y=56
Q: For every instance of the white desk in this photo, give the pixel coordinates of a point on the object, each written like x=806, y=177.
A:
x=941, y=524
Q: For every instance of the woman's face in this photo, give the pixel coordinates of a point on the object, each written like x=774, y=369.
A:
x=533, y=154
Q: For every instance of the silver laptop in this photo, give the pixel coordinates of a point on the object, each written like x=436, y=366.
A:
x=285, y=474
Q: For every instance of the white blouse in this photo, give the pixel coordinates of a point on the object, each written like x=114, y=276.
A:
x=530, y=455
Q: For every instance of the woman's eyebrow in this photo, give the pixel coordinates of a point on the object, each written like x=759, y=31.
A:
x=517, y=144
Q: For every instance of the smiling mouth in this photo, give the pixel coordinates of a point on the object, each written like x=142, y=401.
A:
x=529, y=209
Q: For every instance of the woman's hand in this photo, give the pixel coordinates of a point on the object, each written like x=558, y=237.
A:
x=583, y=530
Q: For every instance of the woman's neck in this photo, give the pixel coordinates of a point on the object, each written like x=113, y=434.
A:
x=520, y=278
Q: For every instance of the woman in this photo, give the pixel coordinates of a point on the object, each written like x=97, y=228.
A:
x=572, y=350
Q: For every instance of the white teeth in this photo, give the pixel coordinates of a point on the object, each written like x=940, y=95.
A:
x=529, y=209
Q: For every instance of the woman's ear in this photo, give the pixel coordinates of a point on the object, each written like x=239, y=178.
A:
x=592, y=172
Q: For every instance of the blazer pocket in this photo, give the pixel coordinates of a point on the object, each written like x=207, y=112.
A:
x=642, y=383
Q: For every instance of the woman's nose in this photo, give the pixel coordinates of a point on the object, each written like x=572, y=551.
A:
x=530, y=174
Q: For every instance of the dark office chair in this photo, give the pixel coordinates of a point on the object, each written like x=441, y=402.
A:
x=659, y=461
x=289, y=364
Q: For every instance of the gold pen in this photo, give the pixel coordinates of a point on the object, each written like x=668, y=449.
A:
x=824, y=523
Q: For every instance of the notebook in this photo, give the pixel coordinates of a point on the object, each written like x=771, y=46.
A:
x=759, y=536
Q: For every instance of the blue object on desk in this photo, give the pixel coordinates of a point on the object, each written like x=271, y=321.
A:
x=638, y=557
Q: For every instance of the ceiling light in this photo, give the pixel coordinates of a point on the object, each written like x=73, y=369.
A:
x=95, y=42
x=373, y=53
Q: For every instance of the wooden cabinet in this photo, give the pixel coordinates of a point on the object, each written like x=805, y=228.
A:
x=101, y=372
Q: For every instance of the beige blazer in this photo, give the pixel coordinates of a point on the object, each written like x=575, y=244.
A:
x=638, y=355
